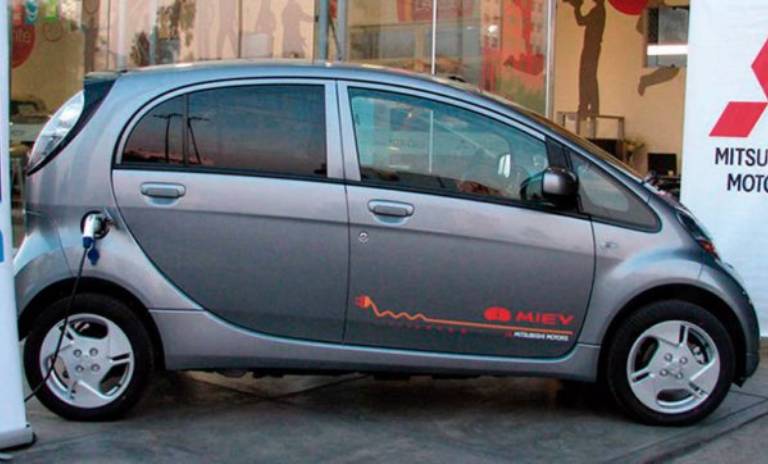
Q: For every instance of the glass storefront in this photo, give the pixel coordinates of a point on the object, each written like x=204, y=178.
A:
x=68, y=38
x=499, y=45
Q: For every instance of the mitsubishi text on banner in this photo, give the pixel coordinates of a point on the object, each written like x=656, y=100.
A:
x=725, y=155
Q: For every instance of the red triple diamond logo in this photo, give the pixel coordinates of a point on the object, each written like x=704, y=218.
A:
x=739, y=118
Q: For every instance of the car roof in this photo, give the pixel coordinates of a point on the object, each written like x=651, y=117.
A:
x=183, y=74
x=297, y=68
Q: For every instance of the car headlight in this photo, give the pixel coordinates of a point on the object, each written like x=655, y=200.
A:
x=55, y=131
x=698, y=232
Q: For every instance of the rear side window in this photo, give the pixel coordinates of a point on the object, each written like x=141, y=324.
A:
x=277, y=129
x=602, y=197
x=157, y=138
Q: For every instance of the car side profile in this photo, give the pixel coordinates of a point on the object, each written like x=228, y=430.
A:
x=303, y=218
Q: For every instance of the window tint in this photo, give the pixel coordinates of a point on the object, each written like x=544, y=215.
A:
x=157, y=138
x=419, y=143
x=604, y=198
x=276, y=129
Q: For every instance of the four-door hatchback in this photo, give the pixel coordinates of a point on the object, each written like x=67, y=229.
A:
x=319, y=218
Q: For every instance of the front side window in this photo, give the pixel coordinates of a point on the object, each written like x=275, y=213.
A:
x=604, y=198
x=418, y=143
x=277, y=129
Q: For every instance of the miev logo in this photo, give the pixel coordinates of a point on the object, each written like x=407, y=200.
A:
x=739, y=117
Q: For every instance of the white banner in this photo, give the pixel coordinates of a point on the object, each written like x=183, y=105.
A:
x=725, y=154
x=13, y=423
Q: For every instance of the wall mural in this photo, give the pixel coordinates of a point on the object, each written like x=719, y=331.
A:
x=658, y=75
x=591, y=15
x=593, y=23
x=514, y=51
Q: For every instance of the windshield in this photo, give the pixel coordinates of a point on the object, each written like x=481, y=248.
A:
x=571, y=137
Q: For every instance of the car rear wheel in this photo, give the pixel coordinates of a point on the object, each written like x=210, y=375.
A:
x=670, y=363
x=104, y=362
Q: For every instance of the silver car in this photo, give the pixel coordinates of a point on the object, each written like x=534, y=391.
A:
x=299, y=218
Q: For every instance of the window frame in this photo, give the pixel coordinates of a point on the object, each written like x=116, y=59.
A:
x=351, y=153
x=333, y=150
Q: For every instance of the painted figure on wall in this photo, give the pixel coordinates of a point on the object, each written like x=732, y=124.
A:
x=294, y=45
x=532, y=60
x=593, y=23
x=658, y=75
x=266, y=24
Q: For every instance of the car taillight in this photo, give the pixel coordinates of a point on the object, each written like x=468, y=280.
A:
x=56, y=130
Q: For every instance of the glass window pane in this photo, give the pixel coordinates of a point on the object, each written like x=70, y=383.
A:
x=499, y=46
x=157, y=138
x=272, y=129
x=604, y=198
x=391, y=33
x=418, y=143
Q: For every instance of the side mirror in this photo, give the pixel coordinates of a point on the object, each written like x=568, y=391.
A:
x=554, y=185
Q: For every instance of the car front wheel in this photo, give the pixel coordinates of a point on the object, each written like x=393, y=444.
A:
x=670, y=363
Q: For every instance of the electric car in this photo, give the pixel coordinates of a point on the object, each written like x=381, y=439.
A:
x=316, y=218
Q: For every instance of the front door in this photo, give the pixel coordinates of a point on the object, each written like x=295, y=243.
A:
x=234, y=192
x=445, y=254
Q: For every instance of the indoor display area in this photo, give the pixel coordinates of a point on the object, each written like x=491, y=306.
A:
x=610, y=70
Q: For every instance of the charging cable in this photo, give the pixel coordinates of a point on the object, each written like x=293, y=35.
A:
x=95, y=226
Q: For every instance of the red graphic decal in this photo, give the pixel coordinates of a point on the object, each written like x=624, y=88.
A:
x=740, y=118
x=630, y=7
x=531, y=61
x=421, y=10
x=496, y=313
x=23, y=44
x=365, y=302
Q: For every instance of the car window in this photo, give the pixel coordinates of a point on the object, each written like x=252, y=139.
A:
x=157, y=138
x=276, y=129
x=602, y=197
x=419, y=143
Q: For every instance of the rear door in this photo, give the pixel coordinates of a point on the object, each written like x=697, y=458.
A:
x=234, y=191
x=446, y=255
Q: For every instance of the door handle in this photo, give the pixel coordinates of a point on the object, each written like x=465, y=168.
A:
x=163, y=190
x=390, y=208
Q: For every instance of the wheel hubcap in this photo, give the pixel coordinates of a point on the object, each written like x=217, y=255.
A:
x=95, y=363
x=673, y=367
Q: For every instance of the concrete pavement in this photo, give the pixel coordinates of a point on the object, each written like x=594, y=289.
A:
x=202, y=417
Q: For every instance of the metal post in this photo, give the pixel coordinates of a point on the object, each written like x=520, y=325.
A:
x=322, y=30
x=153, y=6
x=549, y=90
x=240, y=28
x=122, y=39
x=109, y=33
x=433, y=57
x=341, y=53
x=14, y=430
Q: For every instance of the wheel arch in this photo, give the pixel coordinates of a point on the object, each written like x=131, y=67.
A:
x=63, y=289
x=692, y=294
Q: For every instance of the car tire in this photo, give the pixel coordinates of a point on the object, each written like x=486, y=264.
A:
x=661, y=380
x=106, y=339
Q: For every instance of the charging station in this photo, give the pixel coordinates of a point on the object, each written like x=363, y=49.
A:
x=14, y=430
